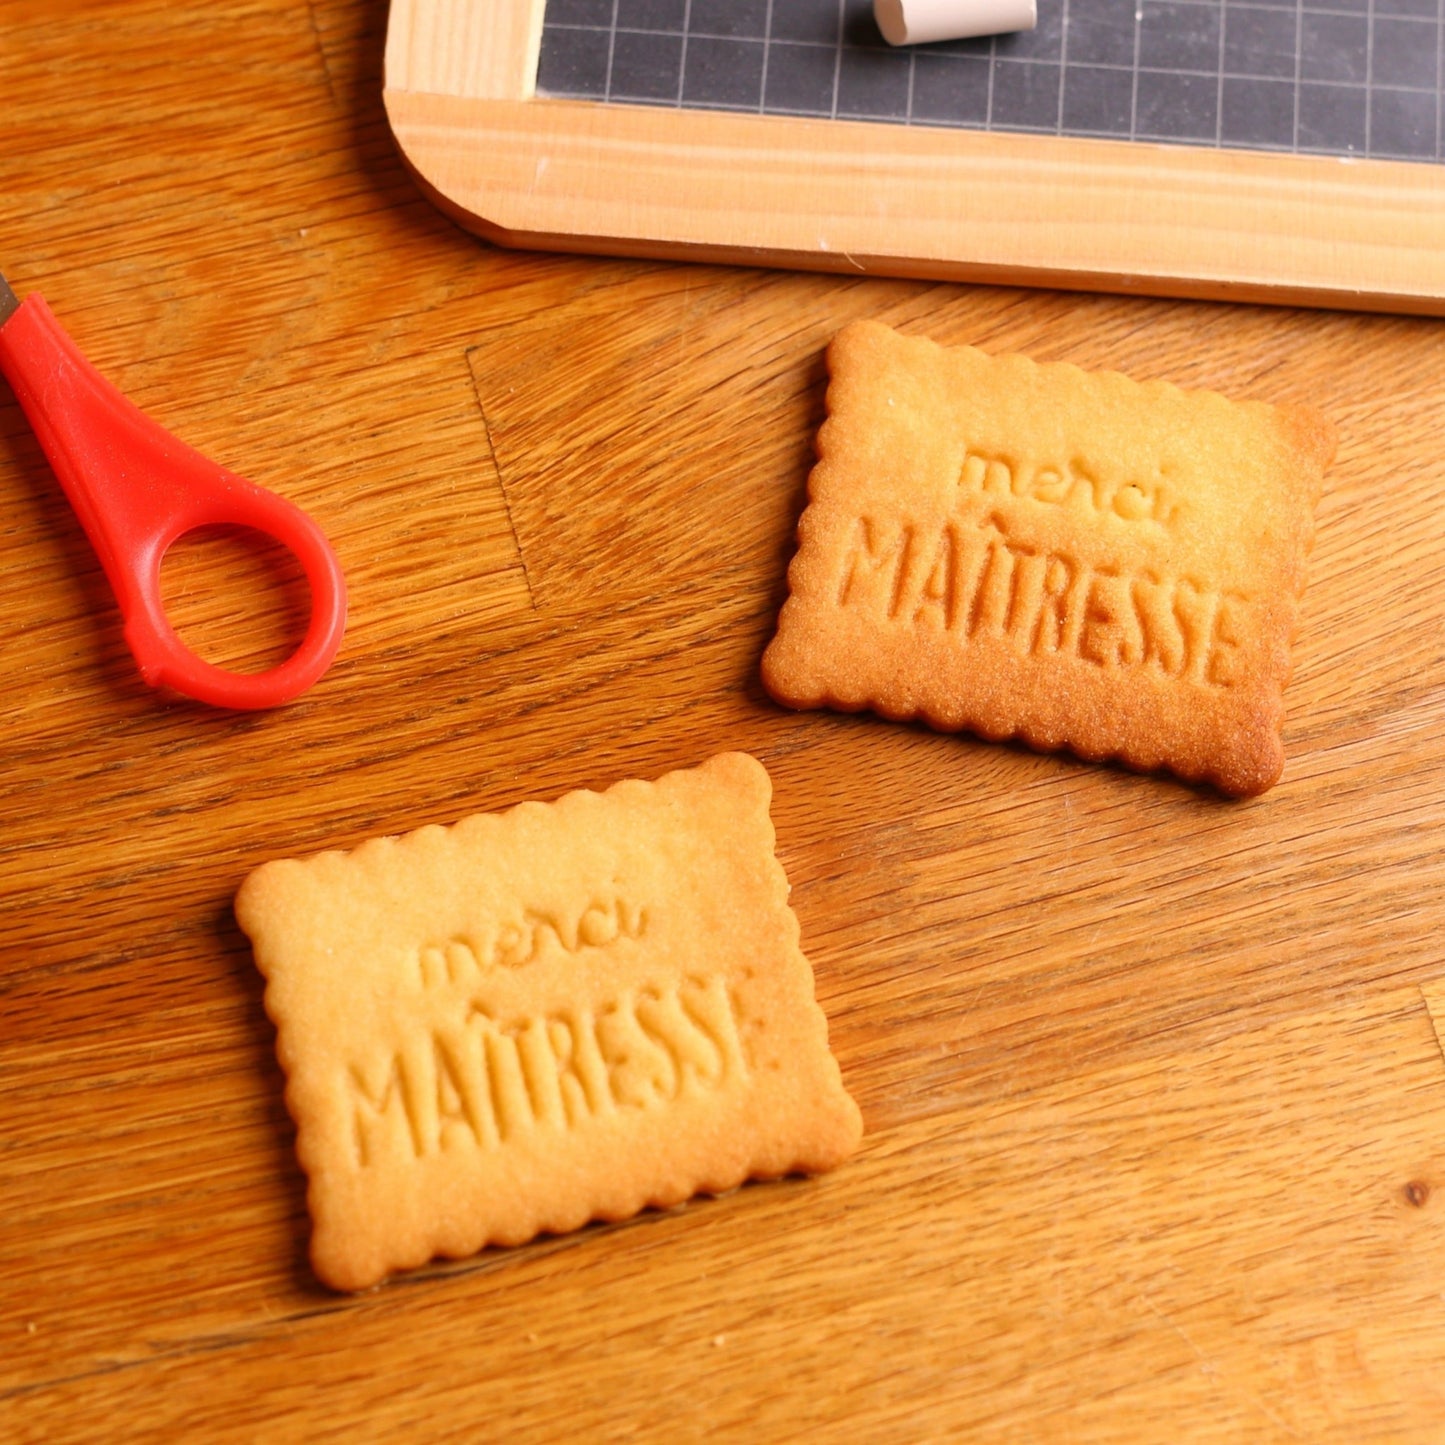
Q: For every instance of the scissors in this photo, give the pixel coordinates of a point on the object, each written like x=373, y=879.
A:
x=136, y=489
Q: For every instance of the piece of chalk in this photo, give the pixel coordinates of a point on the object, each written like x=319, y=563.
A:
x=918, y=22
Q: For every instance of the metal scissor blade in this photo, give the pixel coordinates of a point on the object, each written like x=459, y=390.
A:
x=9, y=301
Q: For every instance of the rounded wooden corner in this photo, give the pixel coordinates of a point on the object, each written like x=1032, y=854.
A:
x=864, y=198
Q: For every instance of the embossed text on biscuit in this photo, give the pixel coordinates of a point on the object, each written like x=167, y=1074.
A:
x=529, y=934
x=973, y=580
x=1075, y=483
x=483, y=1081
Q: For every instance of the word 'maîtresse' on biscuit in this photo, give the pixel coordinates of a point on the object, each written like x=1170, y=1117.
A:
x=1073, y=559
x=527, y=1020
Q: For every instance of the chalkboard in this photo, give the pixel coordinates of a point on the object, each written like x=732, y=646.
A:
x=1324, y=77
x=1274, y=150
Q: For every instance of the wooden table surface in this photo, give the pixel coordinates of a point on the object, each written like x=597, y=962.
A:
x=1152, y=1082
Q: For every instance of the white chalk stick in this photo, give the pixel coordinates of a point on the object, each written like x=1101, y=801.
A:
x=917, y=22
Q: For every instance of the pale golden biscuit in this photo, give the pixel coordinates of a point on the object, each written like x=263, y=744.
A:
x=564, y=1012
x=1069, y=558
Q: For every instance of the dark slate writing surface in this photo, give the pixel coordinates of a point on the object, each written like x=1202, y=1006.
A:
x=1322, y=77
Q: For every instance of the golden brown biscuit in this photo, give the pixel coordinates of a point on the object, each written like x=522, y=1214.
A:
x=1069, y=558
x=564, y=1012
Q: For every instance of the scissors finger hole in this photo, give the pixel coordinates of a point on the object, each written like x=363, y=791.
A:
x=235, y=596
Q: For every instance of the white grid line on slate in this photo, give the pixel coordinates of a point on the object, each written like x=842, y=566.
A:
x=1299, y=28
x=1063, y=72
x=1369, y=71
x=1134, y=86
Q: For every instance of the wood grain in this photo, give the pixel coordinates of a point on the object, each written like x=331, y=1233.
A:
x=861, y=198
x=457, y=48
x=1153, y=1083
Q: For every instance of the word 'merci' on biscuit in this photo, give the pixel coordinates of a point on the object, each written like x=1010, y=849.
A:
x=564, y=1012
x=1072, y=559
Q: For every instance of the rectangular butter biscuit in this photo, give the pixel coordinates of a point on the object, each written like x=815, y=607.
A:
x=531, y=1019
x=1072, y=559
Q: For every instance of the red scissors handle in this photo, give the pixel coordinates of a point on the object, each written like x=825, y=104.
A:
x=136, y=489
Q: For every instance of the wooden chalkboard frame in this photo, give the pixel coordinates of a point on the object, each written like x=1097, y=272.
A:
x=870, y=198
